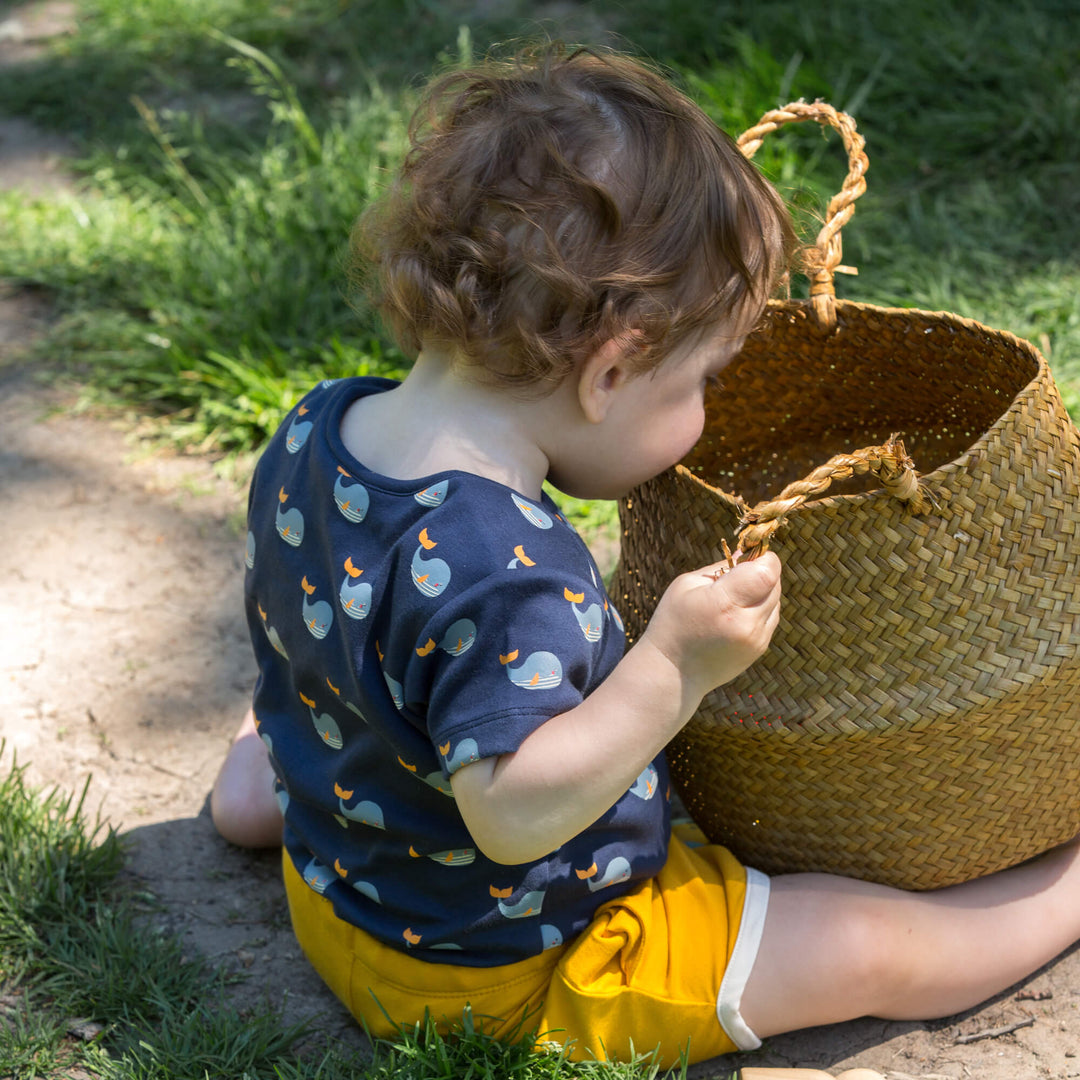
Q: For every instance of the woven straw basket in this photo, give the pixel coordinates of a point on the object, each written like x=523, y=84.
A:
x=916, y=720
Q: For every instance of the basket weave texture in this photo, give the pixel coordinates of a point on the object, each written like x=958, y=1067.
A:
x=916, y=720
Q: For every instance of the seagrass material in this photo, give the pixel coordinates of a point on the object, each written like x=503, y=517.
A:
x=916, y=720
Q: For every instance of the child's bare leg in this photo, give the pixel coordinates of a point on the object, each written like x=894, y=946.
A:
x=834, y=949
x=242, y=802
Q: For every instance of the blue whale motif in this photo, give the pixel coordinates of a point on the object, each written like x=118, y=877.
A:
x=365, y=888
x=616, y=618
x=459, y=637
x=430, y=576
x=617, y=870
x=464, y=753
x=282, y=798
x=644, y=787
x=364, y=812
x=351, y=498
x=275, y=640
x=249, y=551
x=318, y=876
x=438, y=782
x=298, y=432
x=327, y=727
x=533, y=513
x=355, y=598
x=456, y=857
x=396, y=691
x=434, y=495
x=550, y=936
x=591, y=621
x=540, y=671
x=290, y=525
x=529, y=905
x=318, y=617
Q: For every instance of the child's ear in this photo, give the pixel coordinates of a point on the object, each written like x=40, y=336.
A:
x=601, y=377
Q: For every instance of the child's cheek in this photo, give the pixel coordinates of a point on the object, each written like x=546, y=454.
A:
x=694, y=427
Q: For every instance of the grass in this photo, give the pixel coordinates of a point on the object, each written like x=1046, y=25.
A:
x=198, y=272
x=86, y=985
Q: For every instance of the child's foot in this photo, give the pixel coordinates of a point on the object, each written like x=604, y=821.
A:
x=242, y=803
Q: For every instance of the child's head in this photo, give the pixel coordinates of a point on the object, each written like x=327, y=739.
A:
x=554, y=202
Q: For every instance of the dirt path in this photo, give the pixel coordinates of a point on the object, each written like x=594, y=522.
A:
x=123, y=656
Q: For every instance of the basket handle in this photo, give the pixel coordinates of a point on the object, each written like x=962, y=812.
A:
x=889, y=463
x=822, y=258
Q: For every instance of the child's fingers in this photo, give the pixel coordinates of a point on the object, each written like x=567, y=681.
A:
x=749, y=582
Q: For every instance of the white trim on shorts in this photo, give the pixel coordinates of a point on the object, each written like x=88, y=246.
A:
x=729, y=999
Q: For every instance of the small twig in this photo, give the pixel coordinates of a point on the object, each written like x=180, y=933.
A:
x=995, y=1033
x=716, y=575
x=727, y=554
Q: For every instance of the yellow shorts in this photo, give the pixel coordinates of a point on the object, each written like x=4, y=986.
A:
x=663, y=966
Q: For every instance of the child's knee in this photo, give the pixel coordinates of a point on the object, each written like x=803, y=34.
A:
x=242, y=803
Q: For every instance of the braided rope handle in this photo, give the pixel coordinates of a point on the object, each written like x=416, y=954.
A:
x=889, y=463
x=821, y=259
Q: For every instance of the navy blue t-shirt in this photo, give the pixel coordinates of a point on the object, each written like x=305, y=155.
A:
x=404, y=628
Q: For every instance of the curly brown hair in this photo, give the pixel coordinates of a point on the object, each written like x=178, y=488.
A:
x=562, y=198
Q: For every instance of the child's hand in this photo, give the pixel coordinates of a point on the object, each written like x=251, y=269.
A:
x=715, y=622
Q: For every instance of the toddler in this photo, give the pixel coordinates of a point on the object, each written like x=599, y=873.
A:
x=463, y=762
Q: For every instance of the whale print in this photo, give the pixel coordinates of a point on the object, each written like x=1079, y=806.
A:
x=249, y=551
x=325, y=725
x=519, y=559
x=273, y=635
x=459, y=637
x=410, y=937
x=318, y=616
x=430, y=576
x=275, y=640
x=289, y=523
x=644, y=786
x=618, y=870
x=438, y=782
x=611, y=610
x=434, y=495
x=460, y=857
x=351, y=497
x=446, y=945
x=354, y=594
x=364, y=812
x=540, y=671
x=318, y=876
x=550, y=936
x=464, y=753
x=298, y=432
x=348, y=704
x=532, y=512
x=528, y=906
x=281, y=796
x=396, y=691
x=591, y=620
x=365, y=888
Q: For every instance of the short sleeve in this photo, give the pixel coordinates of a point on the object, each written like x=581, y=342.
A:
x=517, y=648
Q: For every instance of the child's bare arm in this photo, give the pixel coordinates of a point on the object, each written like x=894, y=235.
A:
x=706, y=630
